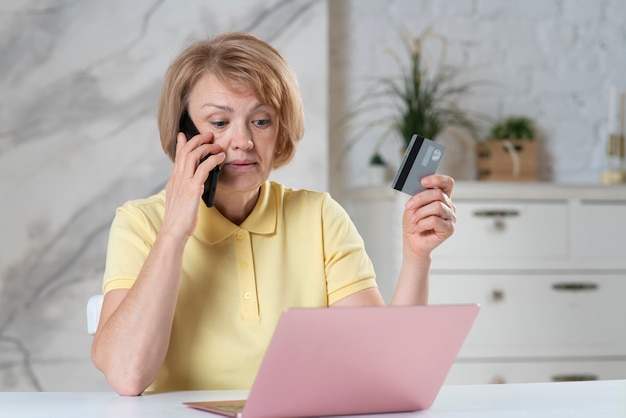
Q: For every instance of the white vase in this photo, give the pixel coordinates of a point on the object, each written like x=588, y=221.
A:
x=378, y=174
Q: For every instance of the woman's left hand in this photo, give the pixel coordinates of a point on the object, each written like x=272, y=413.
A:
x=429, y=216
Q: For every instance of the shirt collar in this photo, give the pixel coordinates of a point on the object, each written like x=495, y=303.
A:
x=262, y=220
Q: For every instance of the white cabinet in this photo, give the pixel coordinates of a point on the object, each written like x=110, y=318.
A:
x=488, y=231
x=547, y=264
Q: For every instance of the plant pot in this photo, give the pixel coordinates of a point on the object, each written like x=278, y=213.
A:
x=507, y=160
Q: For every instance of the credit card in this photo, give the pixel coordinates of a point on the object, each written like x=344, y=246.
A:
x=421, y=159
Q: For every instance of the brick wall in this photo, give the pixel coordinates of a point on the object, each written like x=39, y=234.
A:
x=552, y=60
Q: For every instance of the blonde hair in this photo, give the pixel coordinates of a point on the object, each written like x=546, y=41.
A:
x=239, y=60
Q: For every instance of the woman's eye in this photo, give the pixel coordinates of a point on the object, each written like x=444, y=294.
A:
x=261, y=122
x=219, y=123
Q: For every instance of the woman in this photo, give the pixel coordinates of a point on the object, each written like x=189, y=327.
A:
x=193, y=293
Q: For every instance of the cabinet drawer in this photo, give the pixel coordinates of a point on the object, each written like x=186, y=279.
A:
x=498, y=232
x=528, y=372
x=535, y=315
x=601, y=231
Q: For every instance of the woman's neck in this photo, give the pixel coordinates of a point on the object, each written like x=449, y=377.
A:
x=236, y=206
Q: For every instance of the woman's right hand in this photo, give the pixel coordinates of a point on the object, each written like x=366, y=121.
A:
x=186, y=184
x=133, y=334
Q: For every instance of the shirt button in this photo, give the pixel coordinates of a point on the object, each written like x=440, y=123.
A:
x=244, y=265
x=247, y=295
x=240, y=235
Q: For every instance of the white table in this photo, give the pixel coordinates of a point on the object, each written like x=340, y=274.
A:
x=537, y=400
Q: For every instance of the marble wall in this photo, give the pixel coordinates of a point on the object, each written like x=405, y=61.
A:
x=79, y=82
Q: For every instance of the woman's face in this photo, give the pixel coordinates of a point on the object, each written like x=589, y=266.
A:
x=246, y=129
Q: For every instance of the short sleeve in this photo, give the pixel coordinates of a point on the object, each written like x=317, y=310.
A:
x=347, y=265
x=131, y=237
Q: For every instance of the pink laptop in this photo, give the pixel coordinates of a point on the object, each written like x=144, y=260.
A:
x=343, y=361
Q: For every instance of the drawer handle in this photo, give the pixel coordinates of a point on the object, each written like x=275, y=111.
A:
x=574, y=286
x=496, y=213
x=576, y=377
x=498, y=216
x=497, y=295
x=497, y=380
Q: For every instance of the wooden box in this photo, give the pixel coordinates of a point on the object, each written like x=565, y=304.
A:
x=507, y=160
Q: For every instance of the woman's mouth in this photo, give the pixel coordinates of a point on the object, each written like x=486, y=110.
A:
x=241, y=164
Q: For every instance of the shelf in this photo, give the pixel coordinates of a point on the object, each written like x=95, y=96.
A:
x=506, y=191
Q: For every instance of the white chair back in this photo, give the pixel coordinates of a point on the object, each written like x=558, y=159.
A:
x=94, y=306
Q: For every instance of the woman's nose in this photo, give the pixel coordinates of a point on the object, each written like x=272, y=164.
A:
x=241, y=138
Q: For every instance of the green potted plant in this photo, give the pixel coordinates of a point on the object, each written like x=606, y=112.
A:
x=513, y=127
x=424, y=98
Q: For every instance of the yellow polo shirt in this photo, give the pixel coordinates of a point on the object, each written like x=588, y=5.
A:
x=297, y=248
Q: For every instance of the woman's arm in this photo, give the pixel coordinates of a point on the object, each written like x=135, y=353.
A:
x=135, y=325
x=428, y=220
x=134, y=329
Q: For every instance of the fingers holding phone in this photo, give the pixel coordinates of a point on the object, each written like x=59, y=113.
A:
x=191, y=155
x=195, y=160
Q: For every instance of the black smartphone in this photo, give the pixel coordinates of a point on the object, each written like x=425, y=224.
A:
x=189, y=129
